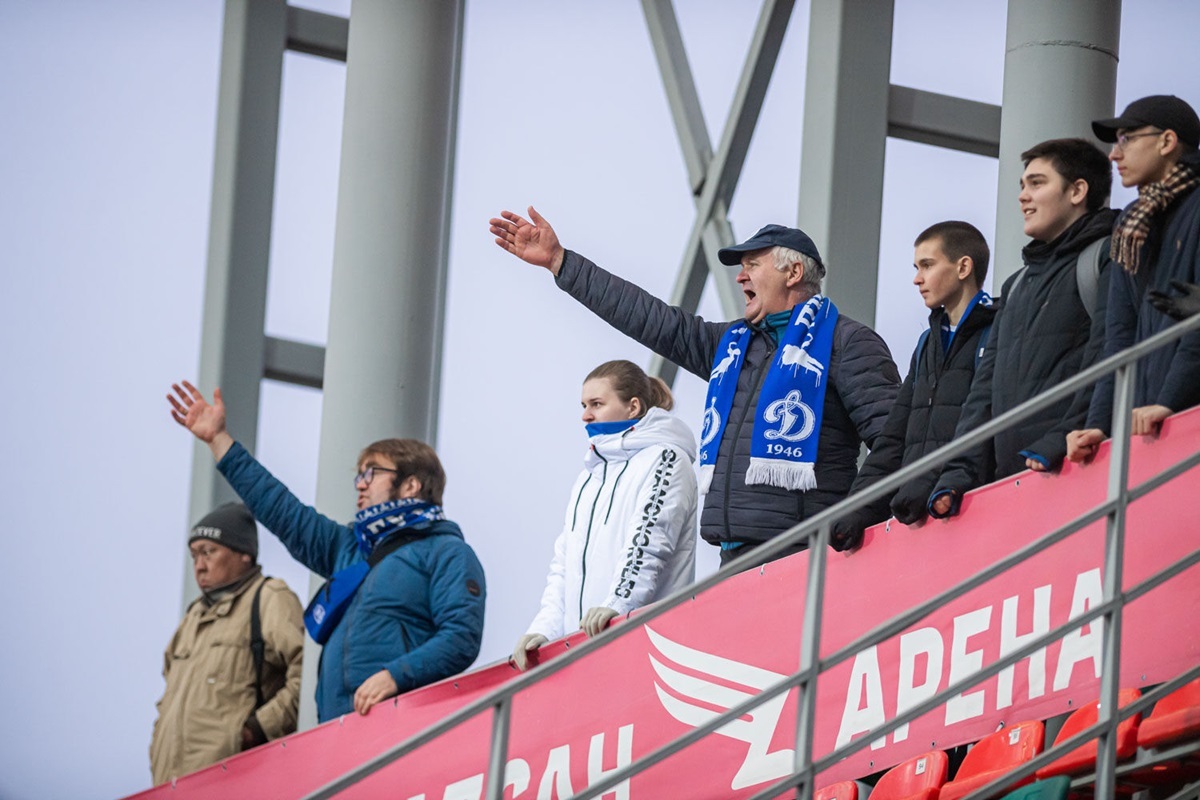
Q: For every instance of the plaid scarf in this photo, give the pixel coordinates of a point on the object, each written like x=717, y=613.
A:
x=1133, y=226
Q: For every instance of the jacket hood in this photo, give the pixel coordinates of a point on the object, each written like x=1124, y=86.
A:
x=656, y=428
x=1085, y=230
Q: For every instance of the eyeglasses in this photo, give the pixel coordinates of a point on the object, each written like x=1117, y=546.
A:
x=368, y=474
x=203, y=552
x=1124, y=138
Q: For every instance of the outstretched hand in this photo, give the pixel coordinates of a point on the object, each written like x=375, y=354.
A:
x=206, y=422
x=533, y=242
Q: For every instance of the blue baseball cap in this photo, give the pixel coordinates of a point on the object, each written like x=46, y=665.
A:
x=771, y=236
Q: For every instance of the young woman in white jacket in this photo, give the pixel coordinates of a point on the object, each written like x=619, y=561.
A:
x=629, y=536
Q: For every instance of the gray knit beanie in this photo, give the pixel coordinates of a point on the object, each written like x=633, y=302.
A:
x=231, y=525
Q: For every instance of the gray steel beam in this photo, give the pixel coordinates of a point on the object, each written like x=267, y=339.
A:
x=845, y=131
x=943, y=121
x=317, y=34
x=292, y=362
x=694, y=142
x=1060, y=73
x=235, y=292
x=387, y=304
x=725, y=167
x=682, y=98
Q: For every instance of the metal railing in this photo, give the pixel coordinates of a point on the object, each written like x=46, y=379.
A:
x=815, y=532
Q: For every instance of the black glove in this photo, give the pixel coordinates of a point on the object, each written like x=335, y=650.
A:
x=252, y=733
x=1180, y=307
x=847, y=532
x=910, y=505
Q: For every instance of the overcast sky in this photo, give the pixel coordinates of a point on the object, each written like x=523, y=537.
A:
x=107, y=126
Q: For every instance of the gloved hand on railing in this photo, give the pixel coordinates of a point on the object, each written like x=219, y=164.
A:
x=847, y=533
x=529, y=643
x=910, y=503
x=596, y=619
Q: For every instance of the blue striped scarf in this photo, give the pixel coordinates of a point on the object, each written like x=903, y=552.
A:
x=787, y=421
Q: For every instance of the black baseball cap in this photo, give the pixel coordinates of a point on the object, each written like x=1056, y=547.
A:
x=1164, y=111
x=771, y=236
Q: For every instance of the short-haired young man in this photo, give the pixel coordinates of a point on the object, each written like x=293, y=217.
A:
x=951, y=261
x=1156, y=241
x=1044, y=332
x=417, y=613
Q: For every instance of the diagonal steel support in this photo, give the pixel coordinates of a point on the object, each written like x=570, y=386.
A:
x=713, y=176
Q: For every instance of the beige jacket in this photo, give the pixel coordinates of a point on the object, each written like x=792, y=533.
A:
x=209, y=671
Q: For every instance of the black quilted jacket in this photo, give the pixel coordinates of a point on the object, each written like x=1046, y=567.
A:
x=863, y=382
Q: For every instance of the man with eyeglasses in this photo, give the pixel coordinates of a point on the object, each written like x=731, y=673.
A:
x=1157, y=243
x=221, y=698
x=403, y=605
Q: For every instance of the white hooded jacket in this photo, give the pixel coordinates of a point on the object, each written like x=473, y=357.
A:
x=629, y=536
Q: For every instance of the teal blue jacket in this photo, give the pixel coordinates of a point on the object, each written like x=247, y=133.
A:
x=418, y=614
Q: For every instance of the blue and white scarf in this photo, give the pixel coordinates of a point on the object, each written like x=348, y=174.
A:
x=373, y=525
x=787, y=422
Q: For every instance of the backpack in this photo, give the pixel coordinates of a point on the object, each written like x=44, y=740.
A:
x=1087, y=274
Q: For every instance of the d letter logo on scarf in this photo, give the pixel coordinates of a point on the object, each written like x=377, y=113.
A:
x=781, y=411
x=791, y=396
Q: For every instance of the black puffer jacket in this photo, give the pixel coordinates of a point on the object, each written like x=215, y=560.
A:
x=862, y=387
x=1171, y=375
x=924, y=417
x=1041, y=336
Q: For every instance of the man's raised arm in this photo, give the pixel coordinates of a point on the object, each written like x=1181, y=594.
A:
x=670, y=331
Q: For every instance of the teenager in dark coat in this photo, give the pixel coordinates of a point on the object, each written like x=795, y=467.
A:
x=1043, y=333
x=951, y=261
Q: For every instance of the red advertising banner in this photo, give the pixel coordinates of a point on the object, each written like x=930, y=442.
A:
x=685, y=667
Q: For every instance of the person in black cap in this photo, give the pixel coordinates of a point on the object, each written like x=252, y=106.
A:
x=1156, y=241
x=221, y=698
x=794, y=388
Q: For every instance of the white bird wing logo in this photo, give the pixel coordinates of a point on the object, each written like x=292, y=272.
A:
x=756, y=728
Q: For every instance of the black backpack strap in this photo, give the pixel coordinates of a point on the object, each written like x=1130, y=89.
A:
x=392, y=544
x=257, y=645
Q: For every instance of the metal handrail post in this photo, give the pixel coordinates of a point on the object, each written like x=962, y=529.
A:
x=1114, y=559
x=810, y=655
x=501, y=715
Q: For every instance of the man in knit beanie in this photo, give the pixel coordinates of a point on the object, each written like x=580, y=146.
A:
x=221, y=699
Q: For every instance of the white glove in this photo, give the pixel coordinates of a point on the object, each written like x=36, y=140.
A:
x=529, y=643
x=596, y=619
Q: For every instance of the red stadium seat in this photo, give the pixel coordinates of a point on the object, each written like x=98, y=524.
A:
x=1083, y=758
x=918, y=778
x=1174, y=718
x=995, y=755
x=842, y=790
